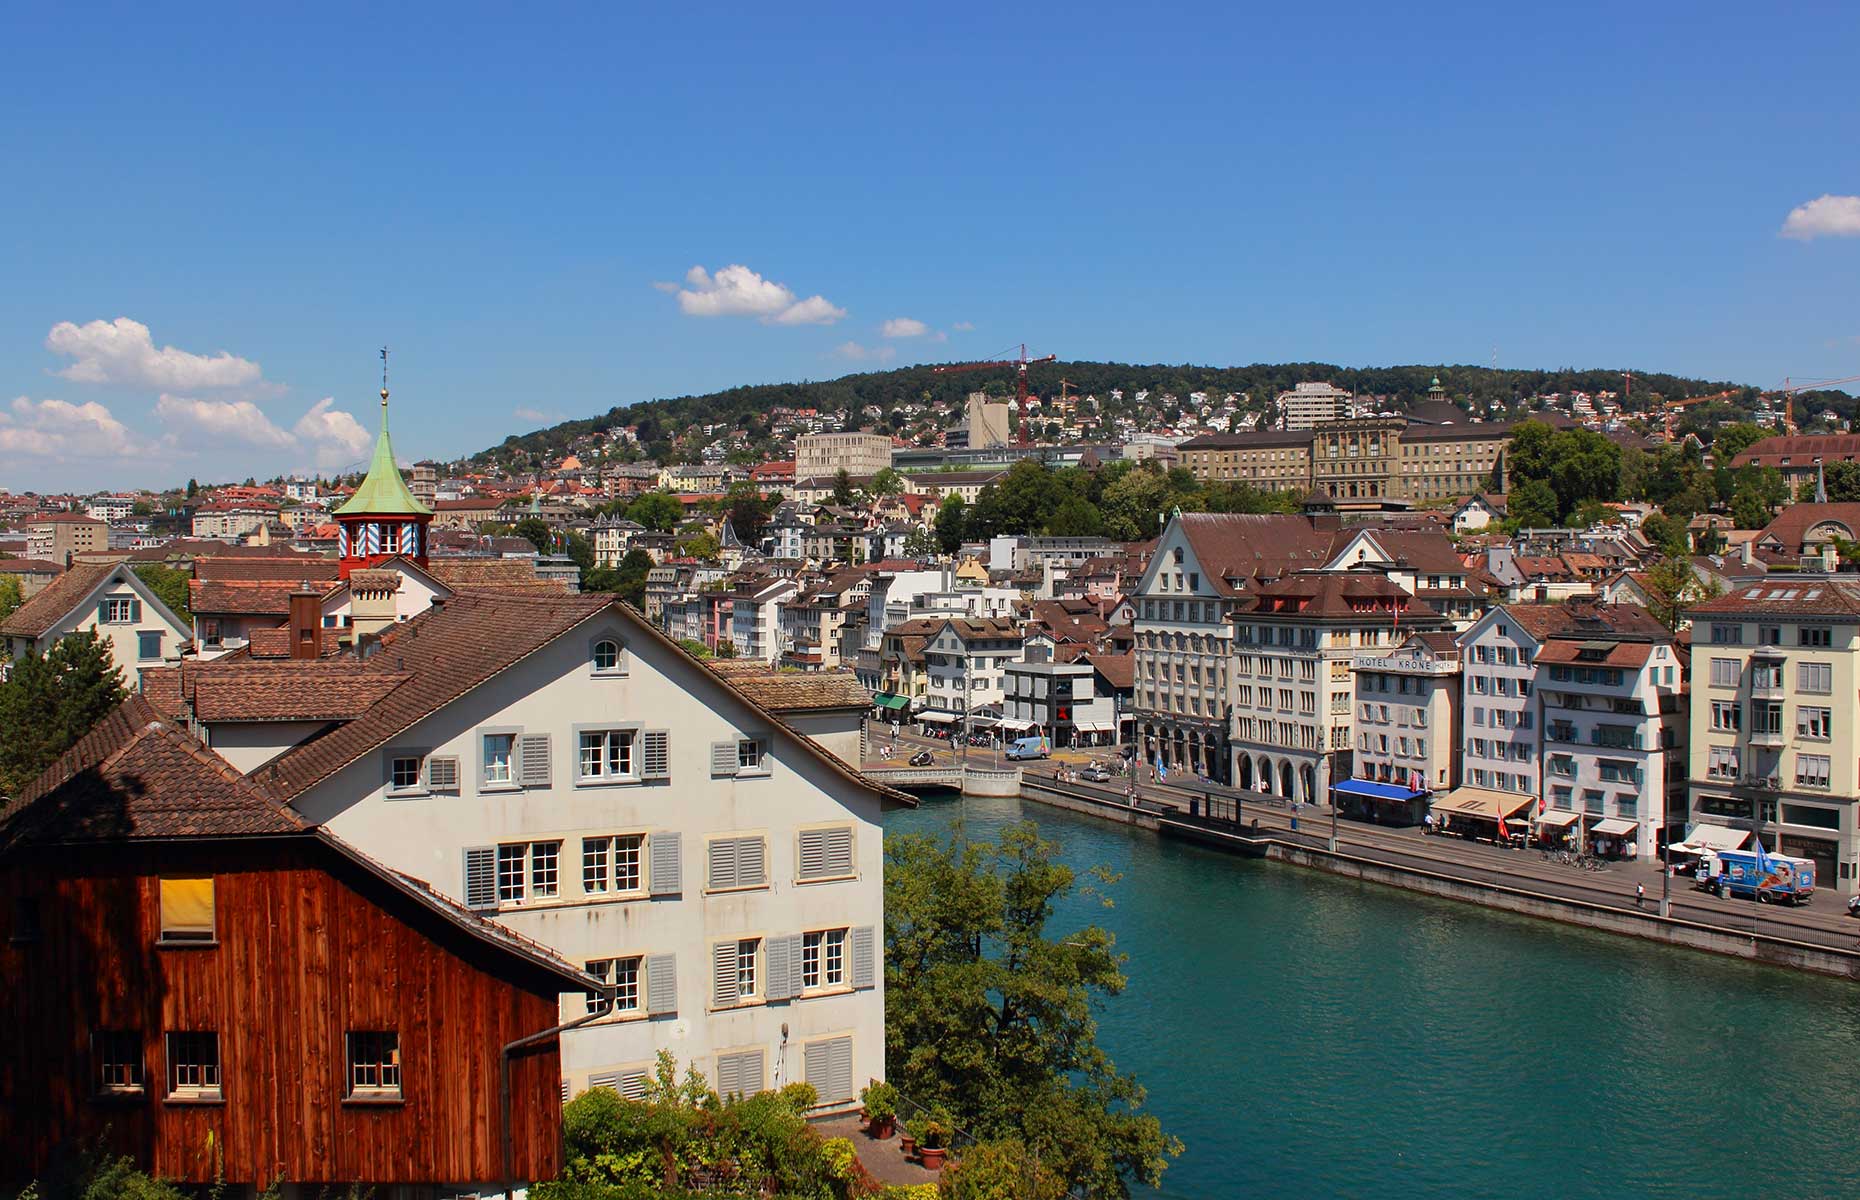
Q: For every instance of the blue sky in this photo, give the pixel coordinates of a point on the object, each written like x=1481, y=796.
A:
x=515, y=205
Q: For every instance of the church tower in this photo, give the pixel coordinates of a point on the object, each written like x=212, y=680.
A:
x=382, y=520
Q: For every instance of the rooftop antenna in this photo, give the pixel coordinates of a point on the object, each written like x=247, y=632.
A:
x=384, y=388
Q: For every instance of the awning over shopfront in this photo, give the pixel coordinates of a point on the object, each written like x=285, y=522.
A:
x=1705, y=837
x=939, y=718
x=1369, y=789
x=1482, y=804
x=1557, y=818
x=983, y=721
x=1092, y=726
x=1614, y=827
x=887, y=700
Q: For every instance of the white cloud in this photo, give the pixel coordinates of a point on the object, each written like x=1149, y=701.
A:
x=56, y=429
x=337, y=437
x=857, y=353
x=964, y=327
x=238, y=421
x=737, y=291
x=121, y=351
x=1827, y=216
x=524, y=412
x=904, y=327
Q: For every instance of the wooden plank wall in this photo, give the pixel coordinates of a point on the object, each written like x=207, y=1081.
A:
x=307, y=951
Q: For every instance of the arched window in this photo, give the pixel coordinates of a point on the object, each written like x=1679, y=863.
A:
x=606, y=655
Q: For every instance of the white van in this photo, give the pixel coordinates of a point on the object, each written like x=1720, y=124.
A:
x=1028, y=747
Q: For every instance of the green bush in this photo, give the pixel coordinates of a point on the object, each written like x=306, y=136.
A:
x=1004, y=1170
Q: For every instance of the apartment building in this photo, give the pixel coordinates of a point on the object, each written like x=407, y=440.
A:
x=1775, y=730
x=1309, y=404
x=56, y=537
x=755, y=617
x=818, y=455
x=966, y=663
x=1369, y=458
x=109, y=599
x=556, y=764
x=1295, y=642
x=1407, y=727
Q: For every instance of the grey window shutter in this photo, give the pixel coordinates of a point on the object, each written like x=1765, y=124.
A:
x=814, y=1066
x=749, y=1071
x=751, y=862
x=839, y=1069
x=722, y=863
x=728, y=1079
x=840, y=851
x=481, y=877
x=661, y=985
x=633, y=1085
x=606, y=1079
x=864, y=945
x=103, y=612
x=723, y=758
x=135, y=609
x=813, y=853
x=668, y=863
x=723, y=974
x=442, y=774
x=783, y=957
x=655, y=756
x=533, y=760
x=565, y=1091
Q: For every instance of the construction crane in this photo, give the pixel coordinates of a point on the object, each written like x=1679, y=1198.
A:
x=1020, y=382
x=1672, y=407
x=1789, y=390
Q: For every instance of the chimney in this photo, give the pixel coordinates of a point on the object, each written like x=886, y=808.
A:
x=1746, y=550
x=305, y=617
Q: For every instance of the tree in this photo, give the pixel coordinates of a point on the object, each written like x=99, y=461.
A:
x=628, y=580
x=1075, y=517
x=1133, y=503
x=49, y=701
x=749, y=513
x=169, y=585
x=1732, y=440
x=193, y=488
x=660, y=511
x=11, y=597
x=1760, y=491
x=991, y=1018
x=1591, y=513
x=1672, y=586
x=1532, y=505
x=952, y=523
x=1842, y=480
x=842, y=488
x=920, y=543
x=886, y=483
x=580, y=551
x=537, y=532
x=701, y=545
x=1666, y=533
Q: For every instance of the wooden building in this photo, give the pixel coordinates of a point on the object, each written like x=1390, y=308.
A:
x=223, y=990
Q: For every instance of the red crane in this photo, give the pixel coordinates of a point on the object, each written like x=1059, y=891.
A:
x=1020, y=382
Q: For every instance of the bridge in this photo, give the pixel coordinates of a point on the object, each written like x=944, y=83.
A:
x=970, y=781
x=909, y=777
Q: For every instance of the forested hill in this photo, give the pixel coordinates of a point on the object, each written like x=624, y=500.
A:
x=663, y=421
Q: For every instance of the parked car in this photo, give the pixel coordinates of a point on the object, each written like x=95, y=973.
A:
x=921, y=759
x=1095, y=774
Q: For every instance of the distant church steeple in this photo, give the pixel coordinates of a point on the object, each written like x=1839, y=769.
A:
x=382, y=520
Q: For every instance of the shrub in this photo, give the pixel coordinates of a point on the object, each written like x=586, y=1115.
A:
x=1003, y=1170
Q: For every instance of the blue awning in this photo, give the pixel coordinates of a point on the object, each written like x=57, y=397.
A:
x=1372, y=790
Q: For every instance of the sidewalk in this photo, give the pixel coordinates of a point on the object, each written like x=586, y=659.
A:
x=883, y=1160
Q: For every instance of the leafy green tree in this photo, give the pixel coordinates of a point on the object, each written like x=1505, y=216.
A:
x=1585, y=466
x=1666, y=533
x=842, y=488
x=1672, y=587
x=749, y=512
x=1075, y=517
x=193, y=488
x=701, y=546
x=920, y=543
x=49, y=701
x=952, y=523
x=169, y=585
x=1733, y=440
x=628, y=580
x=1532, y=505
x=1003, y=1170
x=11, y=597
x=1134, y=503
x=660, y=511
x=537, y=532
x=990, y=1017
x=1760, y=491
x=886, y=483
x=1591, y=513
x=1842, y=480
x=696, y=649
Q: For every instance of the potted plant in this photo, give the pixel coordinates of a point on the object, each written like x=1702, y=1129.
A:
x=907, y=1142
x=881, y=1109
x=936, y=1134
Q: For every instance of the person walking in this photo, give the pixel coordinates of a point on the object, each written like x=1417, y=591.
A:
x=1640, y=894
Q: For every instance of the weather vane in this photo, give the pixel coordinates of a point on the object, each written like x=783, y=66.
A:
x=384, y=390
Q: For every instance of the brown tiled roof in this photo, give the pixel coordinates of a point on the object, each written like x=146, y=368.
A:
x=56, y=600
x=1119, y=670
x=245, y=598
x=1585, y=619
x=1802, y=450
x=1424, y=550
x=797, y=691
x=161, y=687
x=326, y=689
x=503, y=574
x=1791, y=526
x=1619, y=654
x=1234, y=548
x=294, y=568
x=1795, y=598
x=1338, y=594
x=137, y=776
x=28, y=566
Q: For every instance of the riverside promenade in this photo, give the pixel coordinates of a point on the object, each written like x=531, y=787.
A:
x=1819, y=936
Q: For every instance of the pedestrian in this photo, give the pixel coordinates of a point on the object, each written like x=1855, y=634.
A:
x=1640, y=894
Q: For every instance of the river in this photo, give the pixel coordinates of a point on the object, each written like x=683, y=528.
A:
x=1309, y=1036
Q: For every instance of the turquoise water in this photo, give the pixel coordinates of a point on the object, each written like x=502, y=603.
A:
x=1315, y=1037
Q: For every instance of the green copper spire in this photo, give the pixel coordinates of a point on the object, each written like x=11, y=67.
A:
x=383, y=491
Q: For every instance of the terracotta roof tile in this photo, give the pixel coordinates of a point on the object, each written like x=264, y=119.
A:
x=1799, y=597
x=245, y=598
x=504, y=574
x=326, y=689
x=1585, y=619
x=56, y=600
x=293, y=568
x=797, y=691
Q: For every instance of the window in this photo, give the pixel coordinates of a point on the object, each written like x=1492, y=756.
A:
x=1727, y=635
x=374, y=1065
x=1722, y=763
x=1726, y=715
x=1808, y=814
x=187, y=910
x=545, y=864
x=118, y=1055
x=1815, y=677
x=611, y=864
x=538, y=862
x=193, y=1066
x=404, y=773
x=1811, y=770
x=148, y=644
x=497, y=755
x=622, y=977
x=823, y=959
x=746, y=968
x=749, y=753
x=737, y=862
x=1769, y=635
x=510, y=863
x=607, y=755
x=119, y=610
x=1814, y=723
x=1817, y=635
x=607, y=656
x=825, y=853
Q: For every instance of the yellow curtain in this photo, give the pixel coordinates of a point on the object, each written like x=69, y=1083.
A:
x=187, y=906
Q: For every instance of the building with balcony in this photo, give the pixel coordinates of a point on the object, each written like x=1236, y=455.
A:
x=1775, y=730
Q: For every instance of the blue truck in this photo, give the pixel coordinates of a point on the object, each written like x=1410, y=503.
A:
x=1774, y=879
